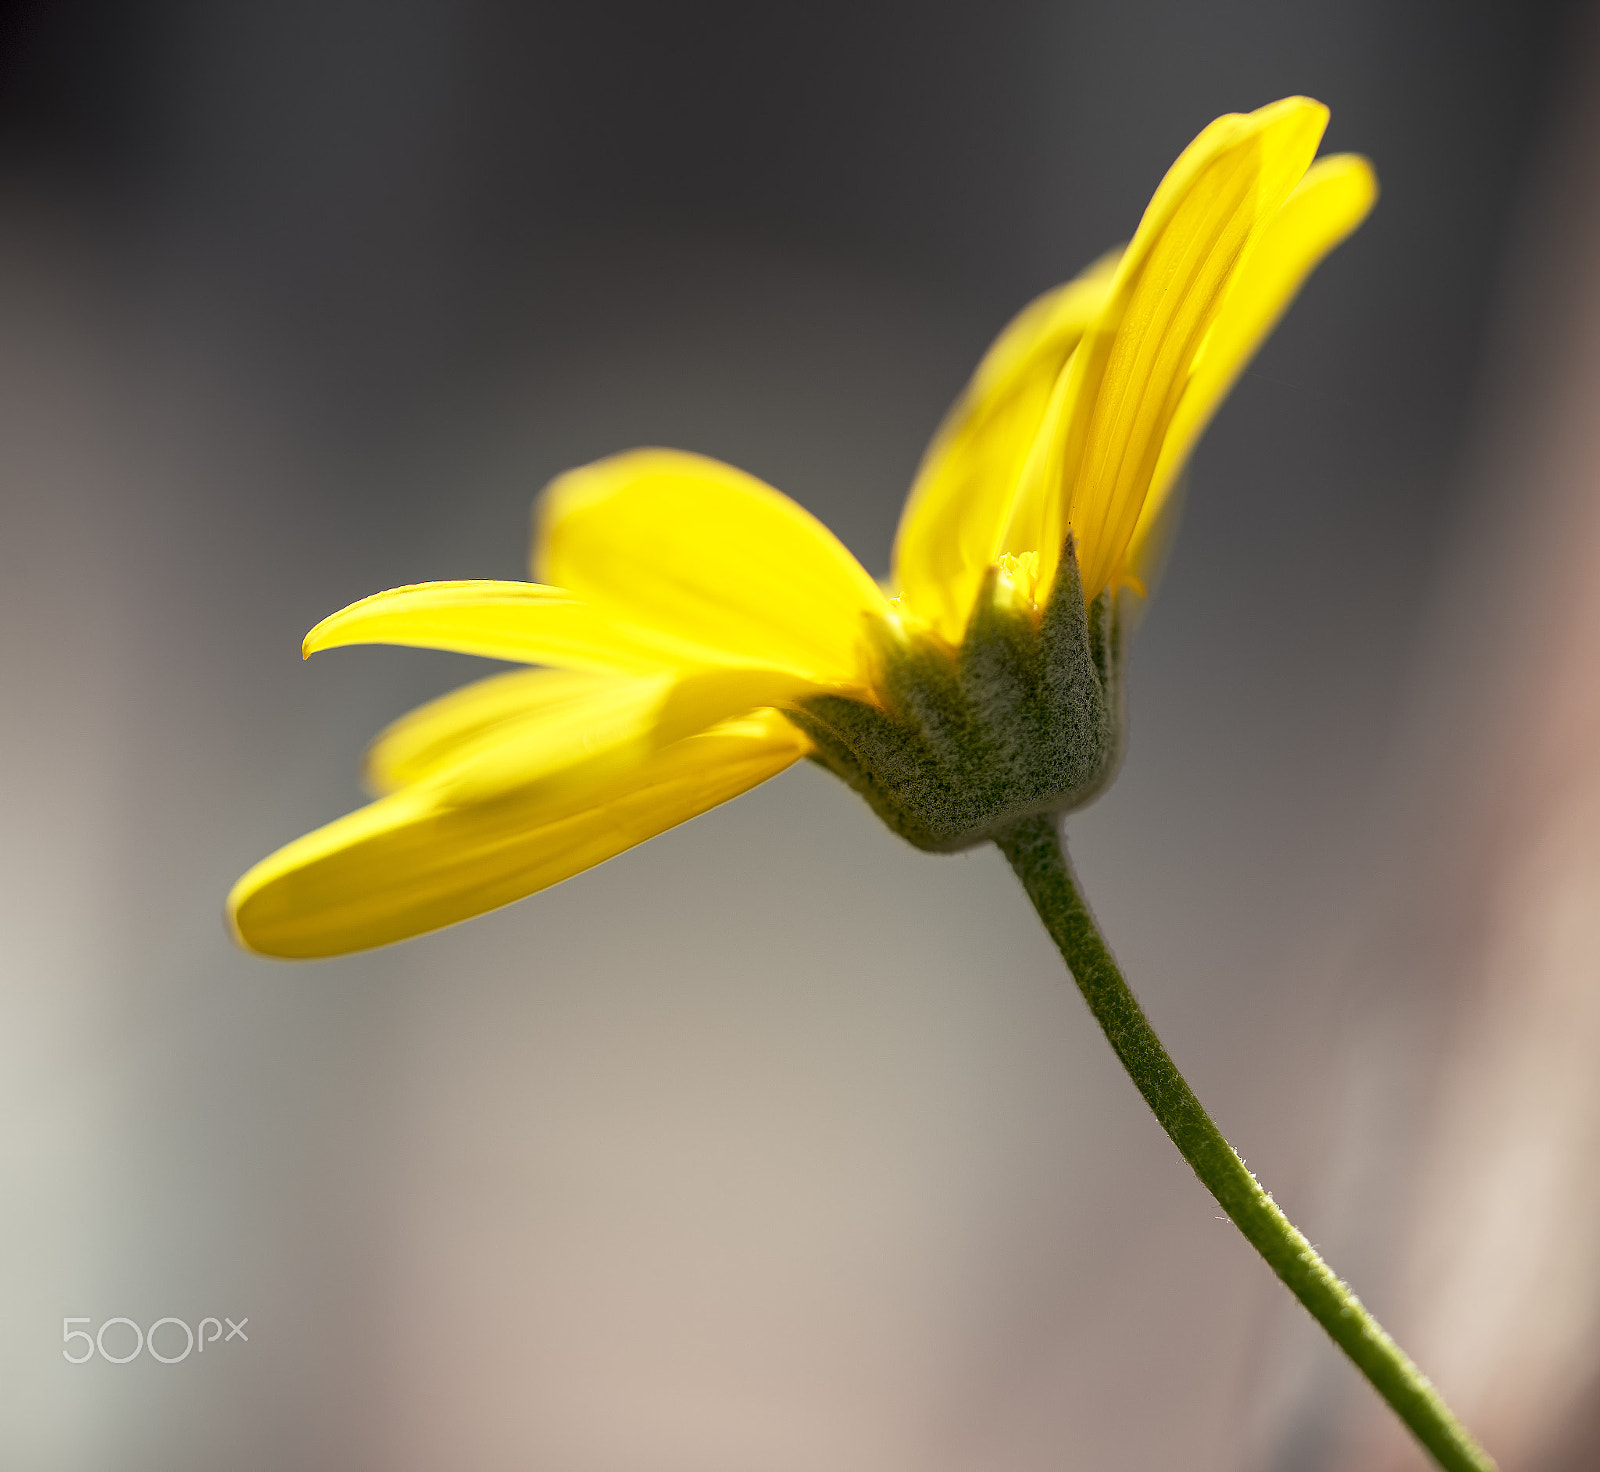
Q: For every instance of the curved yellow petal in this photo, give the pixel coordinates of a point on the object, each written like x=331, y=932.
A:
x=950, y=529
x=1153, y=540
x=713, y=557
x=698, y=699
x=502, y=620
x=415, y=861
x=545, y=720
x=1125, y=381
x=1335, y=196
x=531, y=725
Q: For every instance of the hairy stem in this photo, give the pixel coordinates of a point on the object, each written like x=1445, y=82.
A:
x=1034, y=849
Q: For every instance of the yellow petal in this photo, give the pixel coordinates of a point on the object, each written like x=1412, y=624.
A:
x=950, y=529
x=530, y=725
x=548, y=718
x=1129, y=372
x=518, y=621
x=698, y=699
x=711, y=556
x=1335, y=196
x=414, y=861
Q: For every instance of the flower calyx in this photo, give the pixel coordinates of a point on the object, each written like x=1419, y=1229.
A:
x=1025, y=716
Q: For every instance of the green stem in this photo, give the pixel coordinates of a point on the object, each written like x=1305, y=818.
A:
x=1034, y=848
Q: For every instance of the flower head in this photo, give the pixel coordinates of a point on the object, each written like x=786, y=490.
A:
x=698, y=632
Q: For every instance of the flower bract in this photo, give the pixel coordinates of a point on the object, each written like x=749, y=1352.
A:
x=691, y=631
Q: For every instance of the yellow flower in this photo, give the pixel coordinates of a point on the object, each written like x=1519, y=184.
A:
x=694, y=621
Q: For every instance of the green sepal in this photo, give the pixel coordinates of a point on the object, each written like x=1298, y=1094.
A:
x=1023, y=717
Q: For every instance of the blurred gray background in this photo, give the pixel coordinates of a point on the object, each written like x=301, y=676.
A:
x=772, y=1144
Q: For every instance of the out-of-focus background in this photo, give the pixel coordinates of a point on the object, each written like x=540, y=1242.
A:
x=775, y=1144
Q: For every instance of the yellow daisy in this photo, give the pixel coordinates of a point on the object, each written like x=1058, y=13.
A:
x=697, y=631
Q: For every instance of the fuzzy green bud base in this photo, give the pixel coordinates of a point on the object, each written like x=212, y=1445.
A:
x=1024, y=717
